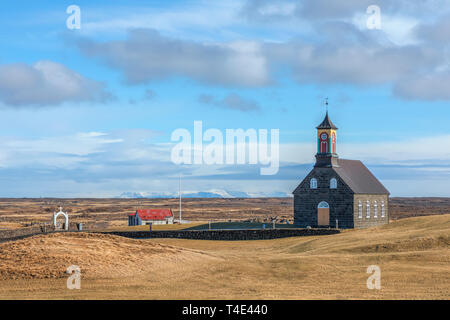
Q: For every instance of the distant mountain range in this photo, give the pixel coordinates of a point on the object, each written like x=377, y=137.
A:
x=203, y=194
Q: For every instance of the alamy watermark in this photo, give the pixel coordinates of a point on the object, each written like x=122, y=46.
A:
x=374, y=281
x=374, y=20
x=74, y=20
x=239, y=147
x=74, y=281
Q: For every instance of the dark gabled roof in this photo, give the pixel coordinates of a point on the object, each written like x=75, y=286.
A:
x=356, y=175
x=326, y=123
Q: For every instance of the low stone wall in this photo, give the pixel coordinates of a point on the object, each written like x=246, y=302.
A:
x=261, y=234
x=21, y=233
x=225, y=234
x=24, y=232
x=88, y=226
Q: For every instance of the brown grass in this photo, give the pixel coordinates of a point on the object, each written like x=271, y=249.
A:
x=96, y=213
x=413, y=255
x=43, y=257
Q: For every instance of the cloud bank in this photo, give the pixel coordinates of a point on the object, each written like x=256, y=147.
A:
x=146, y=55
x=108, y=163
x=339, y=49
x=46, y=83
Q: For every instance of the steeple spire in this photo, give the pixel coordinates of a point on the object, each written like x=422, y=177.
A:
x=326, y=143
x=326, y=123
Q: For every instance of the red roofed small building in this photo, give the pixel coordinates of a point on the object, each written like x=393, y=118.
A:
x=150, y=216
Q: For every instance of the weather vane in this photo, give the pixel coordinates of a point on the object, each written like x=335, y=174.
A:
x=326, y=103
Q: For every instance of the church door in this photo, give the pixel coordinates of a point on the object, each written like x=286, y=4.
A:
x=323, y=214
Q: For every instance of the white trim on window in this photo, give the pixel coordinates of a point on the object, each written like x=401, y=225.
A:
x=359, y=209
x=333, y=183
x=375, y=209
x=313, y=183
x=323, y=204
x=367, y=209
x=382, y=209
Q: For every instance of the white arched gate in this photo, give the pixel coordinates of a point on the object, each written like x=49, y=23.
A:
x=323, y=214
x=66, y=219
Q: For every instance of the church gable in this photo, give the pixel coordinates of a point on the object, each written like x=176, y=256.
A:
x=352, y=173
x=324, y=178
x=305, y=183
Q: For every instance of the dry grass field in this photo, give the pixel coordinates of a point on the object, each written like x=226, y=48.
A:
x=413, y=255
x=16, y=213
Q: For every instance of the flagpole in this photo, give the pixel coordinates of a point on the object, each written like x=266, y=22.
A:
x=179, y=192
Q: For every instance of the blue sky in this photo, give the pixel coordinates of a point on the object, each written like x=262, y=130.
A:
x=89, y=112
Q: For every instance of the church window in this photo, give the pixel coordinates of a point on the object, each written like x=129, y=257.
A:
x=382, y=209
x=333, y=183
x=375, y=209
x=324, y=143
x=367, y=209
x=324, y=205
x=313, y=183
x=360, y=209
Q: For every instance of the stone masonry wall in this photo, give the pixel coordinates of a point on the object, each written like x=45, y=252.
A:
x=226, y=234
x=340, y=200
x=20, y=233
x=365, y=222
x=24, y=232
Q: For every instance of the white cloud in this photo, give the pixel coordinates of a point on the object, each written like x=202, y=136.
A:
x=415, y=151
x=147, y=55
x=197, y=20
x=432, y=87
x=46, y=83
x=397, y=29
x=344, y=55
x=53, y=152
x=107, y=164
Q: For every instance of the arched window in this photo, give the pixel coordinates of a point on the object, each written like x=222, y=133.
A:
x=323, y=204
x=313, y=183
x=382, y=209
x=375, y=209
x=333, y=183
x=367, y=209
x=360, y=209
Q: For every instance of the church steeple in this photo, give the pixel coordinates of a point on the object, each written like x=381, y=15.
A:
x=326, y=123
x=326, y=143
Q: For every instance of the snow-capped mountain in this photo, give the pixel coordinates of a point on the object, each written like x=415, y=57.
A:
x=131, y=195
x=215, y=193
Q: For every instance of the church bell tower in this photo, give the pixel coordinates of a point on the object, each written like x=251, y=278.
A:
x=326, y=144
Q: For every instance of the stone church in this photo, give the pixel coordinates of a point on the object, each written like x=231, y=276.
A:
x=337, y=192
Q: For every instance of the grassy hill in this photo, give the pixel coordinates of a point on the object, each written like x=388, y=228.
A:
x=413, y=255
